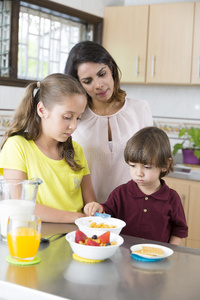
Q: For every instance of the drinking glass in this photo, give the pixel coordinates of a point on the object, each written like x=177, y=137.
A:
x=23, y=236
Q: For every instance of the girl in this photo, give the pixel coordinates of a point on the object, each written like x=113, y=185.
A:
x=149, y=207
x=110, y=118
x=39, y=144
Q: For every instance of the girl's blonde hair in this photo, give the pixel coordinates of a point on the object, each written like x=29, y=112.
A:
x=50, y=91
x=150, y=146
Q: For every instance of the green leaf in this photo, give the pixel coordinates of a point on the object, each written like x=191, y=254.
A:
x=197, y=153
x=177, y=147
x=195, y=136
x=182, y=132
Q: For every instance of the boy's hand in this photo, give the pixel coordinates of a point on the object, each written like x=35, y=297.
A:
x=92, y=207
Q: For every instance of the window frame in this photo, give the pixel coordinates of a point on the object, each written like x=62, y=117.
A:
x=12, y=80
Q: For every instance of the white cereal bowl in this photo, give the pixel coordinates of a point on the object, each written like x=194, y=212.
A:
x=94, y=252
x=84, y=224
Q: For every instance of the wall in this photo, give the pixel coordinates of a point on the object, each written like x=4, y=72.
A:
x=95, y=7
x=165, y=101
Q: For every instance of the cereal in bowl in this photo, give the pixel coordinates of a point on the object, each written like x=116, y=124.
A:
x=101, y=225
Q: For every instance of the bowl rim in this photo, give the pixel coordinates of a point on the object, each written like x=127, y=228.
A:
x=77, y=222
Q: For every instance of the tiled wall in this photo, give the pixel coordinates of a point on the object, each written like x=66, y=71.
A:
x=171, y=106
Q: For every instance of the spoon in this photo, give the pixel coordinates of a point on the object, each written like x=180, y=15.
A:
x=104, y=216
x=47, y=240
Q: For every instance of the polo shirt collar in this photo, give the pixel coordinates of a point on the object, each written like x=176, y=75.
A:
x=161, y=194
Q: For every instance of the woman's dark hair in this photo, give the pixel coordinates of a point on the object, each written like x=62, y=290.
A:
x=50, y=91
x=88, y=51
x=150, y=146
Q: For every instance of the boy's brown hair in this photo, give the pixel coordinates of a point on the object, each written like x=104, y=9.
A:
x=150, y=146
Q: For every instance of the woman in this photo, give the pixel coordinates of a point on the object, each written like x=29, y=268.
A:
x=110, y=118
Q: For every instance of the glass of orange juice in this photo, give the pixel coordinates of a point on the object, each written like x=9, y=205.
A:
x=23, y=236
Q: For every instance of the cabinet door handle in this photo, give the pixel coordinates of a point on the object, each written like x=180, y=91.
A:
x=136, y=65
x=182, y=199
x=198, y=66
x=152, y=66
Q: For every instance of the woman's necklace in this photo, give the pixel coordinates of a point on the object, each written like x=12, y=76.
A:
x=109, y=111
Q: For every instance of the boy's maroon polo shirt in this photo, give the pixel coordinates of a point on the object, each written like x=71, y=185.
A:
x=156, y=217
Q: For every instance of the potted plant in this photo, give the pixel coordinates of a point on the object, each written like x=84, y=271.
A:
x=190, y=146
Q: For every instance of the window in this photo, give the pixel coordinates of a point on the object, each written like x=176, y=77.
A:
x=5, y=17
x=36, y=37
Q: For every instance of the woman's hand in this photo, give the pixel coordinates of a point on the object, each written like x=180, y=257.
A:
x=92, y=207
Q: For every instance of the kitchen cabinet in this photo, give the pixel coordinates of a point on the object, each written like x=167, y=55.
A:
x=170, y=43
x=125, y=38
x=196, y=47
x=194, y=216
x=189, y=192
x=153, y=44
x=183, y=189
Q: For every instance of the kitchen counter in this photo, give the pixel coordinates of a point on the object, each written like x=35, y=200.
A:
x=193, y=175
x=58, y=276
x=187, y=172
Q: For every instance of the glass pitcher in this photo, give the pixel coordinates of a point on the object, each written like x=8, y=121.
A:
x=16, y=197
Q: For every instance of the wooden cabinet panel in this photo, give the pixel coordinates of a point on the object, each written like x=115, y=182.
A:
x=170, y=43
x=196, y=47
x=183, y=189
x=125, y=38
x=155, y=44
x=194, y=212
x=192, y=244
x=189, y=191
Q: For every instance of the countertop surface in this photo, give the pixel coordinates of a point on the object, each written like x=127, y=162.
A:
x=193, y=175
x=187, y=172
x=58, y=276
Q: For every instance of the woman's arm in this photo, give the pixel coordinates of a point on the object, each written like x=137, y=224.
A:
x=46, y=213
x=87, y=190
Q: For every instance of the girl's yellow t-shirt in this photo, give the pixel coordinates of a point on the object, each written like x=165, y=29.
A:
x=61, y=185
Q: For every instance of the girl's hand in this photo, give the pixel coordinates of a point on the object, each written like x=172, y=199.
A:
x=92, y=207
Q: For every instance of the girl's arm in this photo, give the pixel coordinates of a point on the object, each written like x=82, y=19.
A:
x=175, y=240
x=87, y=190
x=10, y=174
x=53, y=215
x=49, y=214
x=46, y=213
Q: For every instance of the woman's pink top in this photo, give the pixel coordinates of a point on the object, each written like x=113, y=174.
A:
x=108, y=167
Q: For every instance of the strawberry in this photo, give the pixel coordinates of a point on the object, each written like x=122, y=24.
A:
x=80, y=236
x=90, y=242
x=105, y=237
